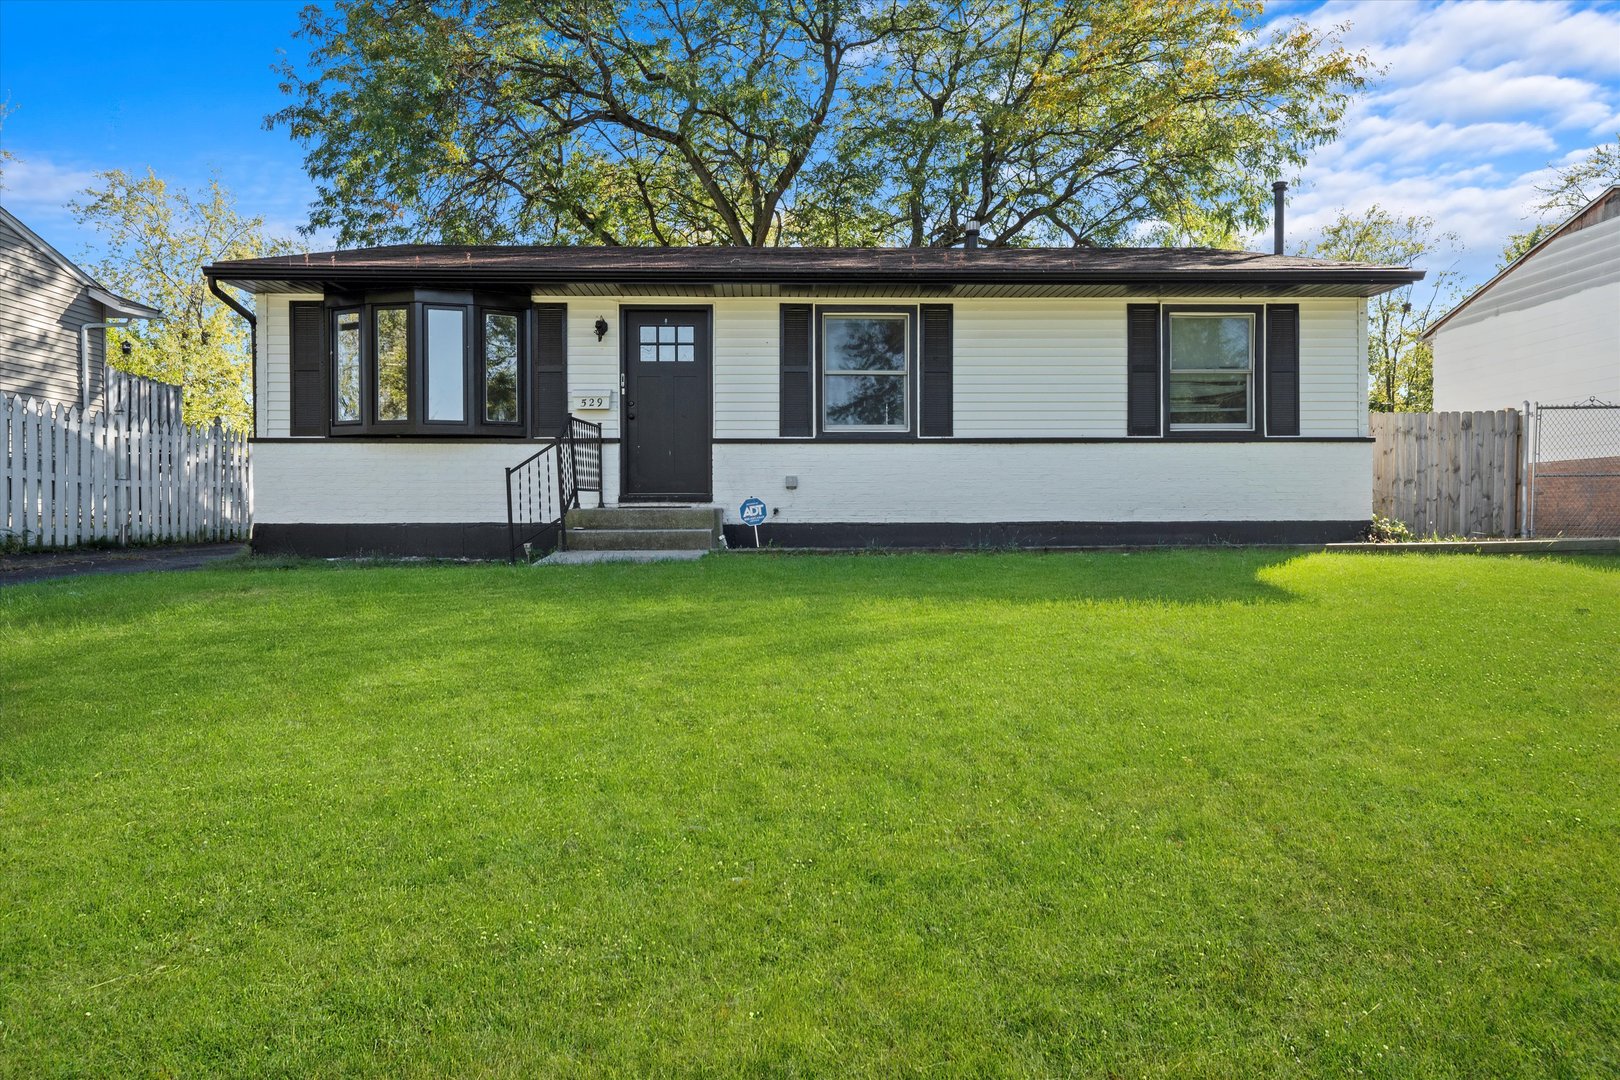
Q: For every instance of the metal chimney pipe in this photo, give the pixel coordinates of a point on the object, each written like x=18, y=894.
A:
x=1278, y=190
x=972, y=240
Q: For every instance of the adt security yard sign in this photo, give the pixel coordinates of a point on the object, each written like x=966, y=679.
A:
x=752, y=512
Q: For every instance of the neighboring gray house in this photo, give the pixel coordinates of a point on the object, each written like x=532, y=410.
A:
x=53, y=317
x=1547, y=328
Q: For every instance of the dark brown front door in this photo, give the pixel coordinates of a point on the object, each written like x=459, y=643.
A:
x=667, y=402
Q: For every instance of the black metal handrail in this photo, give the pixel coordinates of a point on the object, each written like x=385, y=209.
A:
x=543, y=487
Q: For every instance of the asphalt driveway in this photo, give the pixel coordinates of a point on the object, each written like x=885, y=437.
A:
x=44, y=565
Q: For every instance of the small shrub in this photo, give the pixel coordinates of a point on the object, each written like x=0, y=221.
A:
x=1385, y=530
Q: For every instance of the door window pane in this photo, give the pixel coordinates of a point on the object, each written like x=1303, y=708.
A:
x=500, y=368
x=348, y=367
x=393, y=364
x=1211, y=370
x=446, y=364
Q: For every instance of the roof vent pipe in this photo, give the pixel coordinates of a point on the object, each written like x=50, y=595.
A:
x=972, y=240
x=1278, y=190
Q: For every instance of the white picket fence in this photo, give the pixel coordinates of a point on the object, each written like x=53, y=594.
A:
x=71, y=478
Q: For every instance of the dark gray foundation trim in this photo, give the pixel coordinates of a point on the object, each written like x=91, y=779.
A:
x=488, y=540
x=1041, y=440
x=450, y=540
x=1043, y=534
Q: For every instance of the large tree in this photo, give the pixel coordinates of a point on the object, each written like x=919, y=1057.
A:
x=156, y=241
x=1400, y=365
x=754, y=122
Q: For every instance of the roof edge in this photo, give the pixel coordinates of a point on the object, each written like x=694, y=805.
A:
x=123, y=306
x=1433, y=328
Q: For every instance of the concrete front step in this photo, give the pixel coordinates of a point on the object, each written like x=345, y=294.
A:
x=645, y=517
x=640, y=540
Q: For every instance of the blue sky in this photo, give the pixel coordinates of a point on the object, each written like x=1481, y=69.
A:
x=1476, y=100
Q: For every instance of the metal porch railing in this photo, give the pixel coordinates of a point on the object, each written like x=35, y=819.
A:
x=543, y=487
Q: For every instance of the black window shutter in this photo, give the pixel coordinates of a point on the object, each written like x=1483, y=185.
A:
x=937, y=369
x=310, y=413
x=550, y=367
x=1142, y=369
x=797, y=372
x=1282, y=369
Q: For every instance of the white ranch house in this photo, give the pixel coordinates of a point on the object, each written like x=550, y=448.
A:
x=895, y=397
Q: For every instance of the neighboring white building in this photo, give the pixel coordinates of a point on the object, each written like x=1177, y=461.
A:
x=898, y=397
x=1546, y=329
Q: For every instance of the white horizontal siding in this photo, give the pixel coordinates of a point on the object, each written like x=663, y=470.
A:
x=42, y=307
x=1332, y=368
x=746, y=337
x=1548, y=331
x=275, y=335
x=1563, y=350
x=1052, y=368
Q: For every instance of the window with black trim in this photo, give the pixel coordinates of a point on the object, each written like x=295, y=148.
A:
x=865, y=371
x=500, y=367
x=427, y=363
x=1211, y=371
x=346, y=352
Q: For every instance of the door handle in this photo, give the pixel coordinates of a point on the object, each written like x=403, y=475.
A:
x=629, y=407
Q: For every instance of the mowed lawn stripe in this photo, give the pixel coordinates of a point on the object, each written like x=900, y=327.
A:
x=1171, y=813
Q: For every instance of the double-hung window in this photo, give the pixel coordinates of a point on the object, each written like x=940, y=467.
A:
x=1212, y=371
x=864, y=371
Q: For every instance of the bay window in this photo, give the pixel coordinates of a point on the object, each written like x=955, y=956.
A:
x=347, y=349
x=427, y=363
x=500, y=366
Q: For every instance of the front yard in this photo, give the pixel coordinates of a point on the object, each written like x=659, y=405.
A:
x=1182, y=813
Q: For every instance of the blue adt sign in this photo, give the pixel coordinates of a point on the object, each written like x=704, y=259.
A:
x=752, y=511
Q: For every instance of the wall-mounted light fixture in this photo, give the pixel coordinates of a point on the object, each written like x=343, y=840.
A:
x=601, y=328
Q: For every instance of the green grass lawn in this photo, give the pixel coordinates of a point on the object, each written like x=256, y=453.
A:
x=1181, y=813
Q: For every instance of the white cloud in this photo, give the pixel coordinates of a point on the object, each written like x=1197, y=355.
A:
x=1461, y=95
x=1473, y=101
x=38, y=183
x=1399, y=142
x=1421, y=41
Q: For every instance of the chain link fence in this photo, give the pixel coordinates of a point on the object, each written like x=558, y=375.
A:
x=1575, y=471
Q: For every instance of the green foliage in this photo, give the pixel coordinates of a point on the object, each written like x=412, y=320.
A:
x=1400, y=366
x=1519, y=243
x=1569, y=190
x=796, y=122
x=1389, y=531
x=157, y=240
x=1202, y=814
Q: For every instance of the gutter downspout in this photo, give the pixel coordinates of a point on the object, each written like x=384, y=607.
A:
x=84, y=354
x=253, y=341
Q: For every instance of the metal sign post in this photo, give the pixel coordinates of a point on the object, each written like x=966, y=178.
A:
x=752, y=512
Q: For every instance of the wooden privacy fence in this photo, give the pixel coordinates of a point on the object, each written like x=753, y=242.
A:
x=69, y=478
x=1452, y=474
x=139, y=399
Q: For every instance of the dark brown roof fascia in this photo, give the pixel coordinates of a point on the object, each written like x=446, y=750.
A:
x=487, y=275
